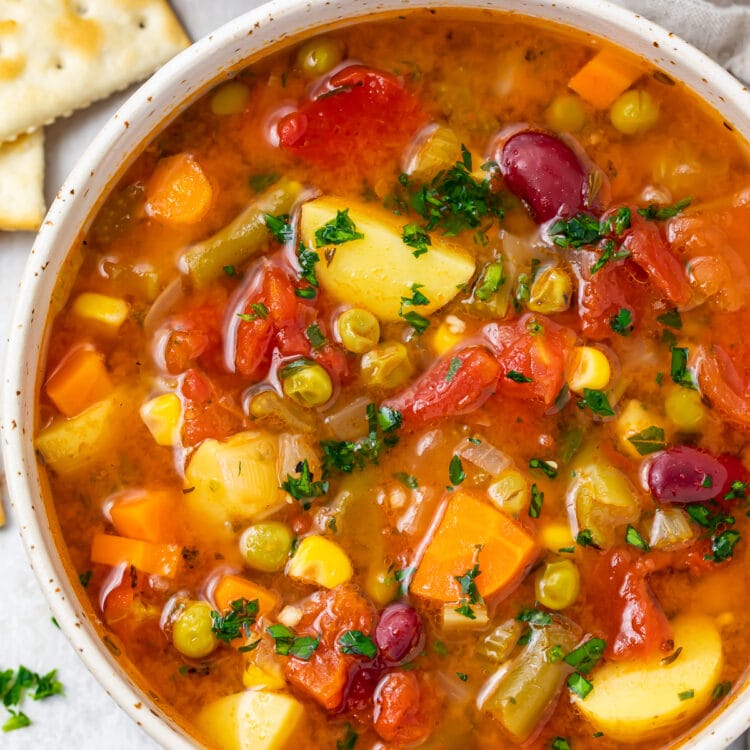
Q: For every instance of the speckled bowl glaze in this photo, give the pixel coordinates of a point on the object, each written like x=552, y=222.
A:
x=158, y=101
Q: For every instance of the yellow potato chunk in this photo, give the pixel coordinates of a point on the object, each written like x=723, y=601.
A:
x=377, y=270
x=633, y=701
x=234, y=479
x=163, y=417
x=254, y=720
x=320, y=560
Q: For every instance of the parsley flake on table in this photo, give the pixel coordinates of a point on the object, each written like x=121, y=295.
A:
x=21, y=683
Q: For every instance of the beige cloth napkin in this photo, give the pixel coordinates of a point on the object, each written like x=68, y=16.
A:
x=719, y=28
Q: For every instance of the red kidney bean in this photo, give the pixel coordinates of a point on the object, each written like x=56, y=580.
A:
x=363, y=679
x=545, y=173
x=685, y=475
x=399, y=634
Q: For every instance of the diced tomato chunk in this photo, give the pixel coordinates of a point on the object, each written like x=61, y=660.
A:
x=651, y=252
x=206, y=414
x=406, y=708
x=634, y=622
x=455, y=384
x=330, y=614
x=365, y=117
x=533, y=348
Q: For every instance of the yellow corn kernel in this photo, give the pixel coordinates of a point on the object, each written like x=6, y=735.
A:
x=589, y=368
x=448, y=334
x=110, y=311
x=381, y=585
x=320, y=560
x=556, y=536
x=633, y=419
x=510, y=492
x=262, y=671
x=163, y=416
x=685, y=409
x=551, y=291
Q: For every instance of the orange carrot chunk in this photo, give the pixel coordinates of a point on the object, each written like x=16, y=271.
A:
x=179, y=191
x=148, y=515
x=150, y=557
x=80, y=380
x=231, y=588
x=603, y=78
x=507, y=551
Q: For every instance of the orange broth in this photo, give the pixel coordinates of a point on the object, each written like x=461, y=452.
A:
x=379, y=490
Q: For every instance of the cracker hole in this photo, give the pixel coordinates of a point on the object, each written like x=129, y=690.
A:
x=142, y=23
x=81, y=9
x=59, y=65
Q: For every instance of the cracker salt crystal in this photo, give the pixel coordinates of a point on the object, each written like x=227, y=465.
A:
x=21, y=182
x=59, y=55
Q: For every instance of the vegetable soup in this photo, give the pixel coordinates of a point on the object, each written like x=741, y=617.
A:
x=397, y=396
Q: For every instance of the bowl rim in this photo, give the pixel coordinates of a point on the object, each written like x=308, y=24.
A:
x=172, y=88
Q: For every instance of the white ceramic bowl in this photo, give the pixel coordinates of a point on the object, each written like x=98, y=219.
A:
x=158, y=101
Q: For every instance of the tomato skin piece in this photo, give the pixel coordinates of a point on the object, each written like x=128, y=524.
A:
x=365, y=117
x=436, y=395
x=535, y=347
x=650, y=251
x=406, y=708
x=721, y=386
x=634, y=623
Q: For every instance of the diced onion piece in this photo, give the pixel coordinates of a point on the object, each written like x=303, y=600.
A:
x=484, y=455
x=453, y=620
x=498, y=645
x=350, y=422
x=670, y=529
x=293, y=449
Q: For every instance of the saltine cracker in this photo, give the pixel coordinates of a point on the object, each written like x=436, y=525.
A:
x=21, y=182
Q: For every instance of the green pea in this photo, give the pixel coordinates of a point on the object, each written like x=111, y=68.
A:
x=557, y=585
x=319, y=56
x=309, y=385
x=266, y=546
x=387, y=365
x=634, y=112
x=358, y=330
x=230, y=98
x=191, y=633
x=566, y=114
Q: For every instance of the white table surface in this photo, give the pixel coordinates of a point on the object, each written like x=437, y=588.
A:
x=86, y=718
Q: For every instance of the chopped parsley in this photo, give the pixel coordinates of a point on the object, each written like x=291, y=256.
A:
x=454, y=200
x=534, y=617
x=259, y=182
x=440, y=648
x=654, y=212
x=718, y=527
x=649, y=440
x=414, y=236
x=622, y=322
x=560, y=743
x=548, y=468
x=633, y=537
x=456, y=471
x=418, y=322
x=347, y=455
x=279, y=227
x=678, y=368
x=672, y=319
x=582, y=229
x=470, y=595
x=722, y=545
x=579, y=685
x=407, y=480
x=722, y=689
x=686, y=695
x=294, y=366
x=518, y=377
x=349, y=740
x=303, y=487
x=597, y=401
x=85, y=578
x=585, y=538
x=417, y=299
x=537, y=499
x=555, y=654
x=737, y=490
x=584, y=657
x=337, y=231
x=357, y=643
x=315, y=336
x=462, y=676
x=453, y=368
x=490, y=281
x=229, y=271
x=307, y=259
x=287, y=643
x=237, y=622
x=259, y=312
x=413, y=318
x=609, y=252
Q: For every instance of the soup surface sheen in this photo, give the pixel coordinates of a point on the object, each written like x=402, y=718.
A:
x=397, y=396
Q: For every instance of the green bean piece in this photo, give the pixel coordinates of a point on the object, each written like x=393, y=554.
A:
x=243, y=238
